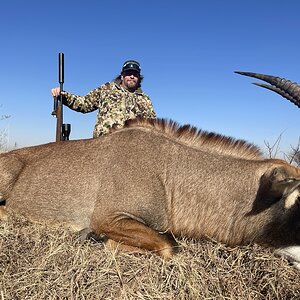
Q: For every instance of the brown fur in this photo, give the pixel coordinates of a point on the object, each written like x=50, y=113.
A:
x=198, y=138
x=154, y=177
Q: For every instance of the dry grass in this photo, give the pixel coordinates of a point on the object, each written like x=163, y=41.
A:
x=42, y=263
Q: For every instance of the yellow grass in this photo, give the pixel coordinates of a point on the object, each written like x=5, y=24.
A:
x=37, y=262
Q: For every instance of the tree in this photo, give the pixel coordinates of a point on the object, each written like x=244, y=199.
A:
x=4, y=135
x=293, y=156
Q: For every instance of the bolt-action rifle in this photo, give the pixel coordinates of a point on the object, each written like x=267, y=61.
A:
x=62, y=130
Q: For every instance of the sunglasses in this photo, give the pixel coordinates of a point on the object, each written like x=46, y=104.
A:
x=129, y=73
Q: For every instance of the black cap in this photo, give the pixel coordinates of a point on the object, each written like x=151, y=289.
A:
x=131, y=65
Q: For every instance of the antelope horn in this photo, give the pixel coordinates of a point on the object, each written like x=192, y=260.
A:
x=279, y=91
x=285, y=88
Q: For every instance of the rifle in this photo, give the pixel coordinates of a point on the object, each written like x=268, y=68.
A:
x=62, y=130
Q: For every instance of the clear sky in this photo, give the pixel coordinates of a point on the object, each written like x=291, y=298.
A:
x=188, y=51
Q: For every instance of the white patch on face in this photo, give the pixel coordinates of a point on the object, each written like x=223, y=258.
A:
x=292, y=253
x=291, y=199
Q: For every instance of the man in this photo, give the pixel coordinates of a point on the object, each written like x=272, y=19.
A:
x=116, y=101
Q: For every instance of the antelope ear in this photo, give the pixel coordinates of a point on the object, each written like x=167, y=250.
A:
x=278, y=181
x=284, y=186
x=272, y=187
x=273, y=184
x=277, y=174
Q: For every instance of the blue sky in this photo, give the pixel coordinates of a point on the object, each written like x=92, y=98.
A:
x=188, y=50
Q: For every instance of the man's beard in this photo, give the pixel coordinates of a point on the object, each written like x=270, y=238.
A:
x=131, y=85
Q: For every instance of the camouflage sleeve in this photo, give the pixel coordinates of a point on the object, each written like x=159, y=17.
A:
x=146, y=108
x=83, y=104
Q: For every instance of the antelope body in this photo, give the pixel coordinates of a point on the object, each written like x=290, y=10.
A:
x=154, y=177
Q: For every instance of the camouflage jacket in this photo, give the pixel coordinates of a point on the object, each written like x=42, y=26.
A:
x=114, y=103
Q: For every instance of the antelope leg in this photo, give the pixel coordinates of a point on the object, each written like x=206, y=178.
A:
x=132, y=234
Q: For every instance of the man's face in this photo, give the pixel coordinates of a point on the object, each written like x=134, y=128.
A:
x=130, y=80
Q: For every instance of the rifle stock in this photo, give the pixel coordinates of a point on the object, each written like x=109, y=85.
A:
x=59, y=120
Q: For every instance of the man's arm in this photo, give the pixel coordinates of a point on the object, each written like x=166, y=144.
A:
x=83, y=104
x=146, y=108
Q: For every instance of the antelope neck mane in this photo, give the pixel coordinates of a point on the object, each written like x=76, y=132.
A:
x=197, y=138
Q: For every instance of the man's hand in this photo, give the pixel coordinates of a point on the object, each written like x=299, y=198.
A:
x=55, y=92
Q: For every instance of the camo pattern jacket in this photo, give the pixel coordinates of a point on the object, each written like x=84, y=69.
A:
x=114, y=103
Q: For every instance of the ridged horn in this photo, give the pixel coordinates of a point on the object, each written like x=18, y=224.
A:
x=285, y=88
